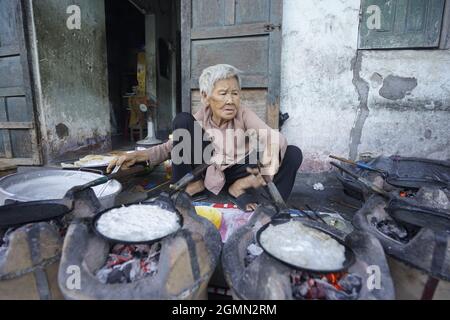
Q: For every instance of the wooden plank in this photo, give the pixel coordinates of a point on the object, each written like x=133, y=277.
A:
x=24, y=27
x=7, y=144
x=21, y=144
x=249, y=54
x=10, y=71
x=248, y=81
x=5, y=134
x=186, y=18
x=207, y=13
x=6, y=166
x=16, y=125
x=252, y=11
x=255, y=99
x=7, y=22
x=9, y=51
x=273, y=115
x=12, y=92
x=17, y=162
x=436, y=9
x=405, y=24
x=445, y=35
x=3, y=117
x=230, y=31
x=27, y=46
x=273, y=99
x=230, y=12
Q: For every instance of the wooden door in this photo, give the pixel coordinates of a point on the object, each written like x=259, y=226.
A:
x=18, y=141
x=243, y=33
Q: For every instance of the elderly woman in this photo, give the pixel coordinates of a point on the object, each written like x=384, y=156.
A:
x=236, y=163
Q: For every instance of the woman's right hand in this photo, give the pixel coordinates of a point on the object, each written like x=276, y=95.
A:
x=127, y=160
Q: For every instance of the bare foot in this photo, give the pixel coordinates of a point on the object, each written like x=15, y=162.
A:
x=195, y=187
x=238, y=188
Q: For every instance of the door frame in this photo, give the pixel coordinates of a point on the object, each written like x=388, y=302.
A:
x=25, y=27
x=186, y=26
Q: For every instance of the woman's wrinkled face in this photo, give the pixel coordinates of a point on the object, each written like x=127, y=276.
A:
x=225, y=100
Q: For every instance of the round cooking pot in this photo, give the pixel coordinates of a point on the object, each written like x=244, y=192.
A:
x=53, y=184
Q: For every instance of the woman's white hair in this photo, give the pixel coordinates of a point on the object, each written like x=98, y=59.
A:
x=216, y=73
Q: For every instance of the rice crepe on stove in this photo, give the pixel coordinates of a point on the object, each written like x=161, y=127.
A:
x=138, y=223
x=302, y=246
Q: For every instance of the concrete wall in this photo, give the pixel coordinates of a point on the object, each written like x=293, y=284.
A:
x=348, y=102
x=73, y=107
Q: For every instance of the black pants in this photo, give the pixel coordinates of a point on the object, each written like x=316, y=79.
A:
x=284, y=179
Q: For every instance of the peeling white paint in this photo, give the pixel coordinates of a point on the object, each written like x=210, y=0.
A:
x=319, y=43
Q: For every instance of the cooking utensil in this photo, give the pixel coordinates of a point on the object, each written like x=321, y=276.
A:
x=283, y=216
x=162, y=202
x=406, y=211
x=361, y=165
x=116, y=169
x=431, y=218
x=45, y=210
x=364, y=181
x=416, y=183
x=183, y=182
x=349, y=254
x=318, y=217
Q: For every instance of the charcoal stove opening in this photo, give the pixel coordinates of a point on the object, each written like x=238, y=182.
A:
x=129, y=263
x=432, y=198
x=61, y=225
x=390, y=228
x=311, y=286
x=332, y=286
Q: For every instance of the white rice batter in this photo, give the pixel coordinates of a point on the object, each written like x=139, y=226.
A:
x=297, y=244
x=138, y=223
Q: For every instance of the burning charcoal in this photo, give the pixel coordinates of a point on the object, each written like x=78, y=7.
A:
x=393, y=230
x=127, y=264
x=332, y=293
x=116, y=276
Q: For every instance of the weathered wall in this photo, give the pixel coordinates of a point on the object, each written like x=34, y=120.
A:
x=347, y=102
x=73, y=109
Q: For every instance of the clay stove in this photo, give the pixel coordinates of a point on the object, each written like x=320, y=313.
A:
x=260, y=277
x=186, y=261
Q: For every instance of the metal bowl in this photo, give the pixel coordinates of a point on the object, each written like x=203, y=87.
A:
x=50, y=184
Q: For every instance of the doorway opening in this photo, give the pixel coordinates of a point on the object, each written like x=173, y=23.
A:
x=144, y=70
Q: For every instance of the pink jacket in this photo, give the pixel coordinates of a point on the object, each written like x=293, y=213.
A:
x=224, y=156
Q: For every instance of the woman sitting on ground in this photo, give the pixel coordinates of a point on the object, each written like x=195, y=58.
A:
x=252, y=147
